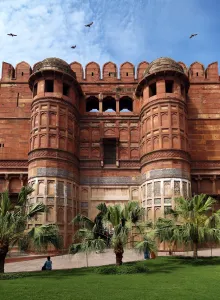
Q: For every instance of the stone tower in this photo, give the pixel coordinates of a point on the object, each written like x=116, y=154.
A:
x=53, y=168
x=164, y=156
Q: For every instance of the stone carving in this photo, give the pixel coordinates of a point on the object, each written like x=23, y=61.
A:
x=52, y=153
x=157, y=155
x=110, y=180
x=89, y=164
x=157, y=201
x=167, y=188
x=129, y=164
x=50, y=187
x=134, y=194
x=205, y=164
x=167, y=200
x=69, y=190
x=176, y=188
x=41, y=187
x=13, y=163
x=149, y=202
x=185, y=194
x=167, y=173
x=60, y=189
x=157, y=192
x=50, y=200
x=149, y=190
x=55, y=172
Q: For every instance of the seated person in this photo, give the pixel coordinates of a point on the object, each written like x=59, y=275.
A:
x=48, y=264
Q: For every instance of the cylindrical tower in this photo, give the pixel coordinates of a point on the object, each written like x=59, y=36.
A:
x=53, y=157
x=165, y=161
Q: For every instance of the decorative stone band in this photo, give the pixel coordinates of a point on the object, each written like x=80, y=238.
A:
x=116, y=180
x=52, y=153
x=164, y=154
x=55, y=172
x=138, y=180
x=165, y=173
x=196, y=165
x=14, y=164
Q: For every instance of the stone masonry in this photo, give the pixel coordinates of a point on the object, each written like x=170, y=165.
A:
x=82, y=137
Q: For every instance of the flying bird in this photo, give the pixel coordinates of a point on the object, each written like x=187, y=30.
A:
x=192, y=35
x=73, y=47
x=88, y=25
x=11, y=34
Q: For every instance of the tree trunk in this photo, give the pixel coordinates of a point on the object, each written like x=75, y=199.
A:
x=195, y=250
x=87, y=259
x=119, y=255
x=3, y=253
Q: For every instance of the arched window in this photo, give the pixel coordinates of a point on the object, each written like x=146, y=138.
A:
x=125, y=104
x=92, y=104
x=109, y=104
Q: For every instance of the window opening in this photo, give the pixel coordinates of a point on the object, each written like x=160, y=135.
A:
x=22, y=73
x=49, y=86
x=126, y=73
x=109, y=152
x=169, y=86
x=152, y=89
x=109, y=104
x=35, y=90
x=66, y=89
x=17, y=99
x=197, y=74
x=125, y=104
x=92, y=74
x=92, y=104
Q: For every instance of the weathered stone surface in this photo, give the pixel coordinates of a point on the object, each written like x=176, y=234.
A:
x=167, y=136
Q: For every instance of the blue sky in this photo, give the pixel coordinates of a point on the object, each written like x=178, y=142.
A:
x=123, y=30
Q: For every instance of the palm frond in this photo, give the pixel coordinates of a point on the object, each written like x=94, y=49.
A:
x=43, y=236
x=5, y=203
x=83, y=221
x=36, y=209
x=24, y=193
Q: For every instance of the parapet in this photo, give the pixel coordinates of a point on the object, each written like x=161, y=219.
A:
x=110, y=72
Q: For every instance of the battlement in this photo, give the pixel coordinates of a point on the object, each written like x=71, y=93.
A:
x=111, y=73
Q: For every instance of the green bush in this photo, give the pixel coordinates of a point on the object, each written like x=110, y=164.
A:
x=124, y=269
x=8, y=276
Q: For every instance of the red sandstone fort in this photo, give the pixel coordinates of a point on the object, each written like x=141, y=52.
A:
x=81, y=137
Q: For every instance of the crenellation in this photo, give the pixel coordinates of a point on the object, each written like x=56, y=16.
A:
x=126, y=72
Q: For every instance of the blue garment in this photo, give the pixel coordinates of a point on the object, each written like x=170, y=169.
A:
x=146, y=254
x=48, y=265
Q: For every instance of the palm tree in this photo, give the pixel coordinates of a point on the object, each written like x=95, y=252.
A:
x=120, y=218
x=166, y=230
x=13, y=225
x=91, y=236
x=89, y=242
x=148, y=244
x=193, y=222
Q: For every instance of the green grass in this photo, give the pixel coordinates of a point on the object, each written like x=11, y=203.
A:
x=168, y=279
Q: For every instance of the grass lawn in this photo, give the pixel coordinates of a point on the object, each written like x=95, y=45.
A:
x=168, y=279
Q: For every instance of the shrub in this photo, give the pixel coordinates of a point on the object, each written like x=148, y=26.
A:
x=124, y=269
x=8, y=276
